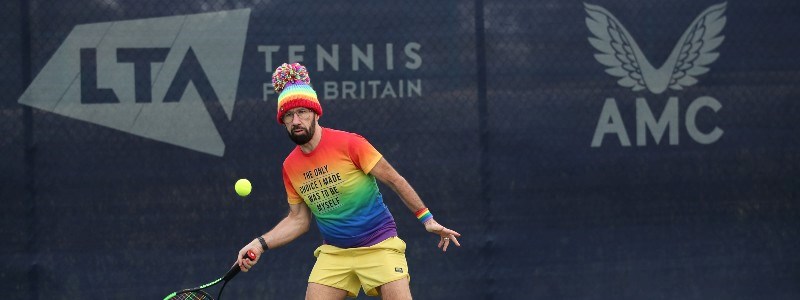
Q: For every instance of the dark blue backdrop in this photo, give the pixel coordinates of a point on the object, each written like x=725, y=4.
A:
x=490, y=113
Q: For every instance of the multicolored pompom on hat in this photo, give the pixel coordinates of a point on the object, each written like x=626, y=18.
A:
x=291, y=81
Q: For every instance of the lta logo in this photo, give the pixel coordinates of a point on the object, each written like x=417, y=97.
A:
x=624, y=59
x=171, y=79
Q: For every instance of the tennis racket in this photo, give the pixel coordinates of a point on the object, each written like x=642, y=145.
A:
x=198, y=293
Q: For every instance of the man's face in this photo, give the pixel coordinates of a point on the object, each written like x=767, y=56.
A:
x=301, y=123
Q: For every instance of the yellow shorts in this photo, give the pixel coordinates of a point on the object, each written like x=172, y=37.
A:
x=364, y=267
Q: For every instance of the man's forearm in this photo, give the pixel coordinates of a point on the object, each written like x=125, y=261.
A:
x=406, y=193
x=384, y=172
x=286, y=231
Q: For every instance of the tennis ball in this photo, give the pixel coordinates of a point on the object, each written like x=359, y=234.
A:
x=243, y=187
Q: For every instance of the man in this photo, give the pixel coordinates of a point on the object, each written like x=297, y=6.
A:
x=331, y=174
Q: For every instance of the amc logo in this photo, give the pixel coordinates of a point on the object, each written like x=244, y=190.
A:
x=622, y=57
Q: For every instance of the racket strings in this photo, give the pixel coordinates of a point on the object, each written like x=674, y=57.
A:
x=196, y=295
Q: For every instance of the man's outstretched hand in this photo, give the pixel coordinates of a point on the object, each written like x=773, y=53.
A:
x=445, y=234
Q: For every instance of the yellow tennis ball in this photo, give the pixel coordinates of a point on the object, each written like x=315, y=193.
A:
x=243, y=187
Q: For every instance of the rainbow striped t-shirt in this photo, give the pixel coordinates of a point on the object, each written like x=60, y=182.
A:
x=334, y=181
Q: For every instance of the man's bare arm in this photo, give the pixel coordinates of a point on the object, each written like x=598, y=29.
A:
x=386, y=174
x=295, y=224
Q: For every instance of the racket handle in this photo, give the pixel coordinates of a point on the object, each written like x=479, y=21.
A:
x=250, y=255
x=235, y=268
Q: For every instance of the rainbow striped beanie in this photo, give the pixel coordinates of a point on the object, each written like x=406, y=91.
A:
x=291, y=81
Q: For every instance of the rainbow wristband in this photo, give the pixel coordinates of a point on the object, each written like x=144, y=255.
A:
x=424, y=215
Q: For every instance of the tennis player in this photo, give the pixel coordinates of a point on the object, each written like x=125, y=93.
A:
x=331, y=174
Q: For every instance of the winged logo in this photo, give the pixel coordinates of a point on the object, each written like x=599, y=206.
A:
x=619, y=52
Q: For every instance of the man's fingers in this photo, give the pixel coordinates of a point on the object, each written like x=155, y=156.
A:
x=243, y=265
x=445, y=235
x=455, y=241
x=244, y=262
x=446, y=231
x=453, y=232
x=247, y=264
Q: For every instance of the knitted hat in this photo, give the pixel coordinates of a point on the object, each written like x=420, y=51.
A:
x=293, y=84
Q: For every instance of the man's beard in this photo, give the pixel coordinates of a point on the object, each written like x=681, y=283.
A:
x=303, y=138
